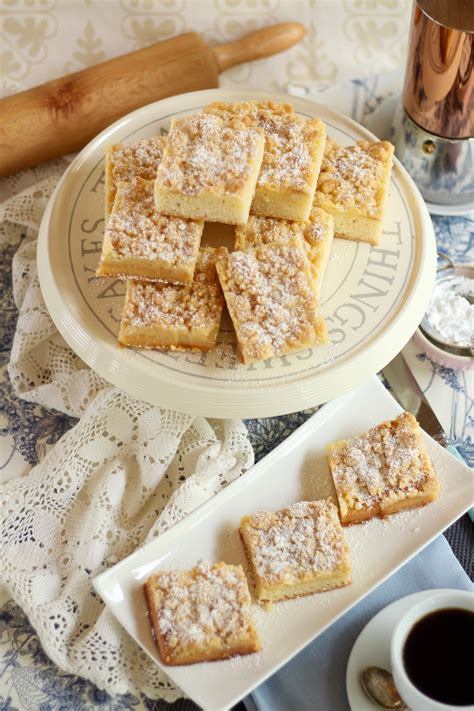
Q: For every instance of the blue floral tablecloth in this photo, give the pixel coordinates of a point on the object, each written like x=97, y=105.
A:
x=28, y=680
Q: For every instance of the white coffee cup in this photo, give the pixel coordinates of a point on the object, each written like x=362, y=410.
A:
x=439, y=600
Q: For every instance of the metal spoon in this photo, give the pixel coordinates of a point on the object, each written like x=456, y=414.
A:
x=379, y=686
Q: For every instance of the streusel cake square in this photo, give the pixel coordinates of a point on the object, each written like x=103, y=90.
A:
x=126, y=161
x=383, y=471
x=292, y=158
x=317, y=234
x=209, y=170
x=353, y=187
x=202, y=614
x=161, y=315
x=272, y=300
x=299, y=550
x=141, y=243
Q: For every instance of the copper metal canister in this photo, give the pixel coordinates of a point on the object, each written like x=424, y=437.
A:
x=434, y=137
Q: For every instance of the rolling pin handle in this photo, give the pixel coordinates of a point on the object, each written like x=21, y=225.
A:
x=259, y=44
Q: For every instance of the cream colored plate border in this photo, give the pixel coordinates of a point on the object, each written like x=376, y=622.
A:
x=296, y=470
x=172, y=385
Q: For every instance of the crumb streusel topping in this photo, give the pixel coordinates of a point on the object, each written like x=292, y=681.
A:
x=202, y=153
x=352, y=176
x=136, y=229
x=249, y=111
x=271, y=299
x=381, y=465
x=265, y=230
x=203, y=605
x=292, y=544
x=193, y=306
x=269, y=230
x=136, y=160
x=289, y=141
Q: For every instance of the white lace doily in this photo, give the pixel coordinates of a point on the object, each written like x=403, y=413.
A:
x=124, y=473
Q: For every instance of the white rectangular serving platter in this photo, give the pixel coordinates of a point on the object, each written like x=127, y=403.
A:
x=295, y=470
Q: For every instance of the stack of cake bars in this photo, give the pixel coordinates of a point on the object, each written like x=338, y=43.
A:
x=287, y=190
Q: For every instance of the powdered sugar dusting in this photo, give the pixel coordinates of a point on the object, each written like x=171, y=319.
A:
x=204, y=607
x=295, y=543
x=352, y=176
x=287, y=158
x=125, y=162
x=194, y=306
x=265, y=230
x=316, y=234
x=203, y=154
x=384, y=465
x=136, y=229
x=291, y=142
x=271, y=300
x=136, y=160
x=450, y=314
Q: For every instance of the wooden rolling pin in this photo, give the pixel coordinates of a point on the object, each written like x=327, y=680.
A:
x=64, y=114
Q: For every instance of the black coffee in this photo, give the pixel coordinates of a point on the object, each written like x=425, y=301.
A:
x=438, y=656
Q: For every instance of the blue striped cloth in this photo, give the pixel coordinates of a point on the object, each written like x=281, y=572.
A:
x=315, y=680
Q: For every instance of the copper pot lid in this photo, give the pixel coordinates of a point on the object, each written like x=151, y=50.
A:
x=439, y=80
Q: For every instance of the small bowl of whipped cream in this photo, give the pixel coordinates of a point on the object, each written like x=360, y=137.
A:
x=448, y=323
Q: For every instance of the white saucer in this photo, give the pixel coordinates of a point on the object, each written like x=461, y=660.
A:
x=372, y=647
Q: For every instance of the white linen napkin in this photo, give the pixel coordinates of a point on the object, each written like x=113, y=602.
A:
x=123, y=474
